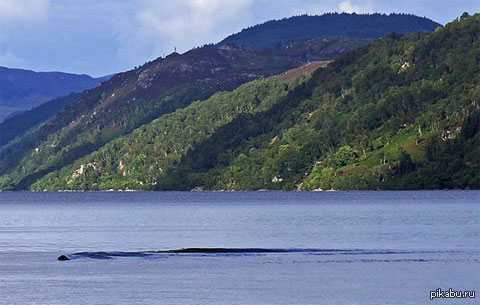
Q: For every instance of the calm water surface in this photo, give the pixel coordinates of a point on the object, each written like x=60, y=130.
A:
x=336, y=248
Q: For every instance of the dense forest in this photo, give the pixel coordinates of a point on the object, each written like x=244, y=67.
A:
x=400, y=113
x=51, y=140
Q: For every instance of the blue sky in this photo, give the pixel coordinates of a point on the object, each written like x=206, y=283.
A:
x=100, y=37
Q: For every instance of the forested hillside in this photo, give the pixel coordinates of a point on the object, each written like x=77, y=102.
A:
x=401, y=113
x=135, y=98
x=138, y=160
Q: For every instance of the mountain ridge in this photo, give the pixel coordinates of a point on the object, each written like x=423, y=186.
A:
x=137, y=97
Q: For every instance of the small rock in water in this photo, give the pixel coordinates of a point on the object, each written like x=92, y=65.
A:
x=63, y=258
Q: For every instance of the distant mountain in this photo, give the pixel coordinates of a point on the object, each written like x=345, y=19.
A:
x=22, y=90
x=272, y=33
x=130, y=100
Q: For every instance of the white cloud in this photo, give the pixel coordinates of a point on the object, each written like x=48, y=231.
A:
x=185, y=23
x=309, y=10
x=23, y=10
x=350, y=7
x=17, y=15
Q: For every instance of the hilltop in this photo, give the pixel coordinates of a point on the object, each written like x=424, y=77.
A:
x=305, y=27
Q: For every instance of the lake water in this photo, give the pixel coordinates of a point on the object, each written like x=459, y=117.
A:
x=343, y=248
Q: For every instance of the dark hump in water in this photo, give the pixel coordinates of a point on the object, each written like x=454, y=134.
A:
x=63, y=258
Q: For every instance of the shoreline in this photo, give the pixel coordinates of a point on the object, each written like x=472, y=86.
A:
x=240, y=191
